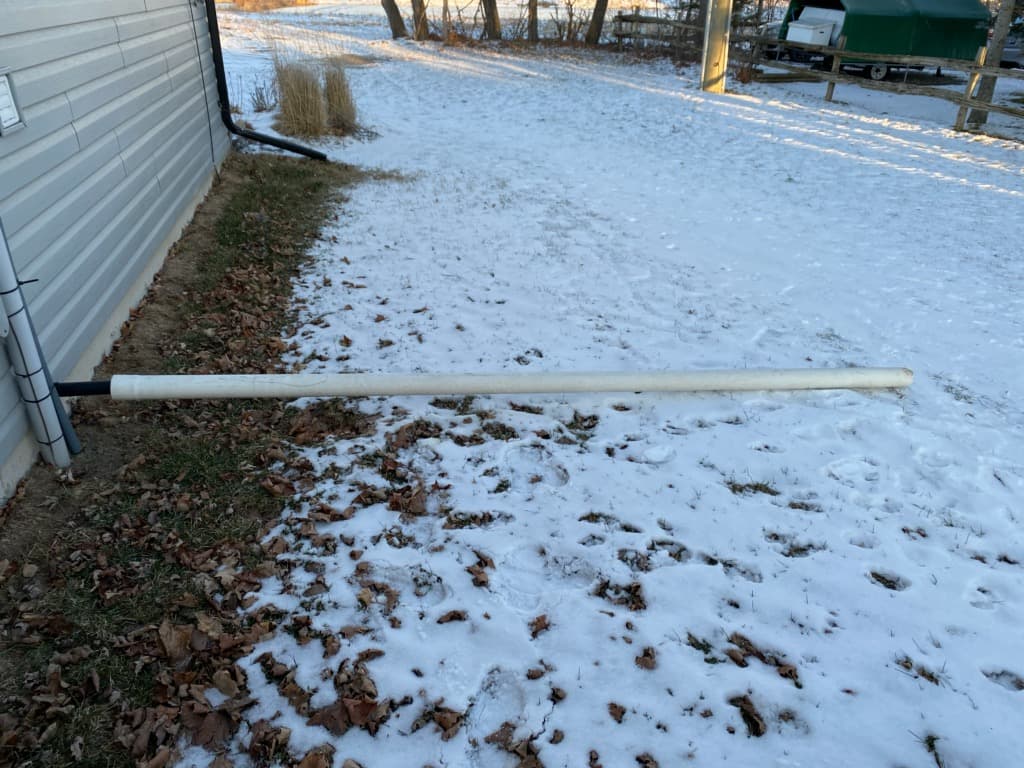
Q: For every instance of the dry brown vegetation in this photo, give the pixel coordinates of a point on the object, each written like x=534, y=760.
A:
x=341, y=109
x=301, y=107
x=266, y=5
x=313, y=97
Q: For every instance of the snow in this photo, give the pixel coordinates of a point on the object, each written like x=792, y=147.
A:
x=566, y=211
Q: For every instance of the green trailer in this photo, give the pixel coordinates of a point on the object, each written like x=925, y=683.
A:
x=946, y=29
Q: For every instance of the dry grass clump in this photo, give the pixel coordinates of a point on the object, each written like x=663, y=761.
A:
x=302, y=111
x=341, y=109
x=313, y=97
x=263, y=97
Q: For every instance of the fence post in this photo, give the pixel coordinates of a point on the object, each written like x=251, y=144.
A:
x=836, y=66
x=716, y=46
x=972, y=83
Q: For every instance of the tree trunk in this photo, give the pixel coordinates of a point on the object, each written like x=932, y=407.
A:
x=987, y=90
x=420, y=28
x=492, y=24
x=446, y=21
x=596, y=22
x=532, y=33
x=394, y=19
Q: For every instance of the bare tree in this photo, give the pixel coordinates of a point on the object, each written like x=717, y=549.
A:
x=395, y=19
x=420, y=28
x=987, y=90
x=492, y=24
x=596, y=22
x=532, y=32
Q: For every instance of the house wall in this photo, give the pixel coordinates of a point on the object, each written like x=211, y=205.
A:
x=122, y=138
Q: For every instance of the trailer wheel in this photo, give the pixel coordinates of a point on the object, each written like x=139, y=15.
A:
x=878, y=71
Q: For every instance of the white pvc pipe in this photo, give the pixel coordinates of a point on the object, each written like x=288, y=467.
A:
x=295, y=385
x=26, y=360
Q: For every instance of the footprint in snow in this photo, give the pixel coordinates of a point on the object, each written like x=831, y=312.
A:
x=1011, y=681
x=416, y=585
x=530, y=465
x=514, y=576
x=865, y=540
x=853, y=472
x=500, y=699
x=570, y=569
x=657, y=455
x=983, y=598
x=933, y=459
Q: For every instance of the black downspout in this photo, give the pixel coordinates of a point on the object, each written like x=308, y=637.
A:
x=82, y=388
x=225, y=102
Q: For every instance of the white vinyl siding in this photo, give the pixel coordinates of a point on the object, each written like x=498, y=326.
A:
x=122, y=131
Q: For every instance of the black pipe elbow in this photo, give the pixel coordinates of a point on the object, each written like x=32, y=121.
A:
x=225, y=101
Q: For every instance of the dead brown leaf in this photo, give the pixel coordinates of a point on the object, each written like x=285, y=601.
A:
x=351, y=630
x=318, y=757
x=751, y=717
x=448, y=721
x=629, y=595
x=175, y=640
x=267, y=740
x=409, y=500
x=745, y=647
x=333, y=717
x=209, y=728
x=359, y=710
x=453, y=616
x=409, y=434
x=276, y=485
x=225, y=683
x=648, y=659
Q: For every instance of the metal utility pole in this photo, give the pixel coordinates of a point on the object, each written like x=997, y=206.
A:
x=716, y=46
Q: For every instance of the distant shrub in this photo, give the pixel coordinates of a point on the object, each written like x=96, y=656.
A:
x=267, y=5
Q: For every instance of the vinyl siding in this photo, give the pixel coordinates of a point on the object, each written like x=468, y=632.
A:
x=122, y=132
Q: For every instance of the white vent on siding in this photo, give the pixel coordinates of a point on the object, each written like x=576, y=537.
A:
x=10, y=117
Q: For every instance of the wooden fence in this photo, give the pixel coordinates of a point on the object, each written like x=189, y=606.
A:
x=747, y=58
x=673, y=33
x=836, y=56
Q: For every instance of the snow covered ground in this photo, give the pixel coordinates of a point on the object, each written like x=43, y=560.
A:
x=776, y=579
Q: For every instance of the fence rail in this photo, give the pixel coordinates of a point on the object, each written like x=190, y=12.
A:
x=654, y=29
x=886, y=58
x=747, y=49
x=839, y=55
